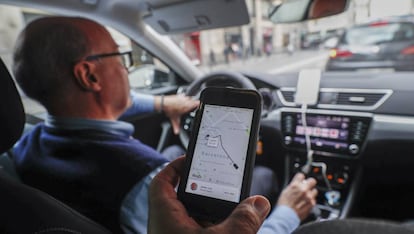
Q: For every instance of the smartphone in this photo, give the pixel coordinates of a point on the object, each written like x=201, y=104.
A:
x=221, y=152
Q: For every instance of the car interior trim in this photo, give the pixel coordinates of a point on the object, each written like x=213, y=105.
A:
x=328, y=112
x=382, y=126
x=386, y=94
x=386, y=127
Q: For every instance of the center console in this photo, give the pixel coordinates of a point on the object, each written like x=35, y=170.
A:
x=337, y=138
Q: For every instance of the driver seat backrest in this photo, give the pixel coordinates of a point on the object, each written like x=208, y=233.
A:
x=24, y=209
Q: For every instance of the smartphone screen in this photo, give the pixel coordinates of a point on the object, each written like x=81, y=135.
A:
x=218, y=163
x=221, y=152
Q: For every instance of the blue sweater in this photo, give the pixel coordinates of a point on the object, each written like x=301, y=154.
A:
x=88, y=169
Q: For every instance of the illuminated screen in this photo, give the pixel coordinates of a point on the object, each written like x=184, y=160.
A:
x=325, y=131
x=220, y=153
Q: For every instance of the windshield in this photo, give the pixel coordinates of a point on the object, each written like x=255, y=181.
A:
x=375, y=30
x=370, y=36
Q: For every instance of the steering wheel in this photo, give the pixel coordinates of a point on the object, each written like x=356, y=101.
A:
x=217, y=78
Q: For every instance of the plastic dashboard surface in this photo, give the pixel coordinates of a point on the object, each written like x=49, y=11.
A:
x=390, y=137
x=391, y=130
x=401, y=84
x=384, y=156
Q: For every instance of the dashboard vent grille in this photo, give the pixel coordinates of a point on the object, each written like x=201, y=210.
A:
x=359, y=99
x=289, y=96
x=330, y=98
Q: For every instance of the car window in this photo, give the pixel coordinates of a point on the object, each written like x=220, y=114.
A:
x=148, y=72
x=378, y=33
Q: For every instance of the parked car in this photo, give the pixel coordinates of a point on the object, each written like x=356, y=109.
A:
x=311, y=41
x=361, y=126
x=381, y=44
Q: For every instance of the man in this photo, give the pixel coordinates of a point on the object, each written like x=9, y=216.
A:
x=82, y=155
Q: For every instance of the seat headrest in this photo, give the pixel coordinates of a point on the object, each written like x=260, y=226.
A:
x=12, y=117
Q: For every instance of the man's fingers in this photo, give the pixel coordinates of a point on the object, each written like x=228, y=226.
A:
x=310, y=182
x=314, y=192
x=175, y=123
x=195, y=104
x=301, y=204
x=171, y=173
x=247, y=217
x=299, y=177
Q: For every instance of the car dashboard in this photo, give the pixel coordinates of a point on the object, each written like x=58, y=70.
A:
x=361, y=134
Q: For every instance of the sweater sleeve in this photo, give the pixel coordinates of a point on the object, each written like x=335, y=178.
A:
x=282, y=220
x=134, y=209
x=141, y=103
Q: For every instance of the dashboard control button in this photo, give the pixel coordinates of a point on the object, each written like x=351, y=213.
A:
x=353, y=149
x=288, y=140
x=341, y=178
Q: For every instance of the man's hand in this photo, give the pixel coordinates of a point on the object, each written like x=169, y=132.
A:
x=300, y=195
x=174, y=106
x=168, y=215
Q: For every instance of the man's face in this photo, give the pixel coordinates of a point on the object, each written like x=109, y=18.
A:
x=111, y=72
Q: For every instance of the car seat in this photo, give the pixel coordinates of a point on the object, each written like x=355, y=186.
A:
x=357, y=226
x=24, y=209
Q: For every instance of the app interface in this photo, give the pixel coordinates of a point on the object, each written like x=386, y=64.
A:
x=220, y=152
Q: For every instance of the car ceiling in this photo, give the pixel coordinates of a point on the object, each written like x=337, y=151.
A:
x=134, y=16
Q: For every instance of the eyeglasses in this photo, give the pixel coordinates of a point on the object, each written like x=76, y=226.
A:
x=126, y=57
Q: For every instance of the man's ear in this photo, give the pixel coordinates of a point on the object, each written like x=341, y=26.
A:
x=84, y=72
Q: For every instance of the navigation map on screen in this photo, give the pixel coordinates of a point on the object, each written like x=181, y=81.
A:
x=220, y=152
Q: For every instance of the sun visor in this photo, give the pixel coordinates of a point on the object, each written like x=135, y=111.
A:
x=189, y=16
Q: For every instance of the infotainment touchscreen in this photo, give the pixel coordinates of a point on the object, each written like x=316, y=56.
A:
x=325, y=131
x=328, y=133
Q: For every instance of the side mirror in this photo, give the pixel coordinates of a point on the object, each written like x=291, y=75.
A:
x=291, y=11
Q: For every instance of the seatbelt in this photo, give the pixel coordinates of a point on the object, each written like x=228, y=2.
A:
x=31, y=119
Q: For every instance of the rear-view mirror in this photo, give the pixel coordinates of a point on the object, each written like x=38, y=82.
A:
x=291, y=11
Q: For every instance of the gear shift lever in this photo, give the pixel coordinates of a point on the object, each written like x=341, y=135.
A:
x=332, y=197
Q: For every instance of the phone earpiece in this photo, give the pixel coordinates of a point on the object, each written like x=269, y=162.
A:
x=92, y=78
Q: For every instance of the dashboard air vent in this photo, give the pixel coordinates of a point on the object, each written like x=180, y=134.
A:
x=332, y=98
x=358, y=99
x=289, y=96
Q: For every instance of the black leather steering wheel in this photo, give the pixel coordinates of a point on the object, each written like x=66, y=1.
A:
x=217, y=78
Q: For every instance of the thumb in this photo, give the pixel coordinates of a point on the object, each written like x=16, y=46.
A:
x=175, y=122
x=247, y=217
